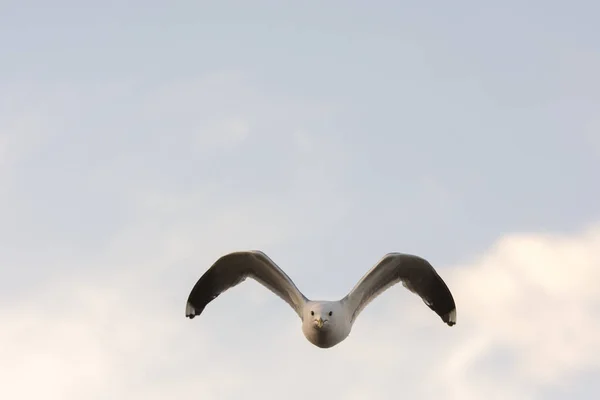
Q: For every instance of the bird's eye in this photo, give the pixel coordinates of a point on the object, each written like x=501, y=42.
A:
x=330, y=312
x=312, y=313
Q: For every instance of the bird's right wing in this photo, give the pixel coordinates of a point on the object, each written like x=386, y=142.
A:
x=415, y=273
x=232, y=269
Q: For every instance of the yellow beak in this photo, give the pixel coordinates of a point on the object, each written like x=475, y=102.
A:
x=320, y=322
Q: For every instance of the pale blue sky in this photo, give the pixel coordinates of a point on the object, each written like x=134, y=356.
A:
x=139, y=142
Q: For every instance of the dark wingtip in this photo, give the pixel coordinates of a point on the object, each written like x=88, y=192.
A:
x=450, y=318
x=190, y=311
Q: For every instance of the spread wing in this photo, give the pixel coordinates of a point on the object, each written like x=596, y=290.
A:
x=415, y=273
x=232, y=269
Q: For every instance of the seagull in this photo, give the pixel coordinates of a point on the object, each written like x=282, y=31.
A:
x=325, y=323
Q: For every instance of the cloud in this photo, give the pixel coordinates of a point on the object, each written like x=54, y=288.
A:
x=528, y=319
x=530, y=303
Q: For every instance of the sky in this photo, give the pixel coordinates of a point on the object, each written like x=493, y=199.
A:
x=141, y=141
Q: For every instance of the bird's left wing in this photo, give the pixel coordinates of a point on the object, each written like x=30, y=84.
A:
x=415, y=273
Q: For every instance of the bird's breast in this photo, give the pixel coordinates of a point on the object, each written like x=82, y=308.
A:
x=323, y=338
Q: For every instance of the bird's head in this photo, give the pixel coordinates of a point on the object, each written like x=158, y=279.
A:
x=321, y=315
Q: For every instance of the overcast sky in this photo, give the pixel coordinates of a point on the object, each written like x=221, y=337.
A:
x=140, y=141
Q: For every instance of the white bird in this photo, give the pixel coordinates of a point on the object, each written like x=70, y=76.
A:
x=325, y=323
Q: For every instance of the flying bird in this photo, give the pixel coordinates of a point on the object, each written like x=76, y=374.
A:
x=325, y=323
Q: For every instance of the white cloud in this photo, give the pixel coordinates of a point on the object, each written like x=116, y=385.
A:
x=535, y=295
x=527, y=319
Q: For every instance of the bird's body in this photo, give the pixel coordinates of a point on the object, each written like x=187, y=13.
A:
x=325, y=323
